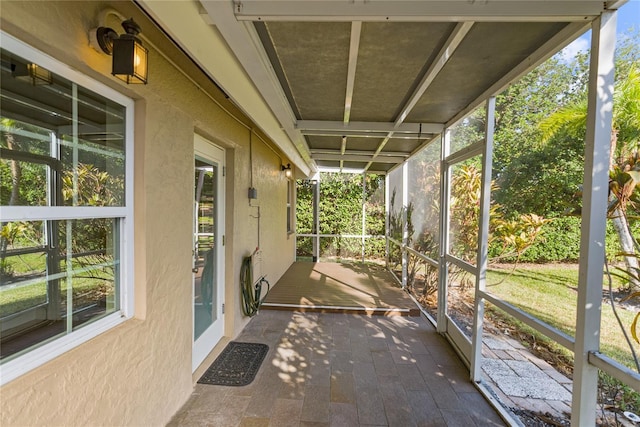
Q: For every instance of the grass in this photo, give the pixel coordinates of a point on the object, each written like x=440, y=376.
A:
x=19, y=265
x=549, y=292
x=85, y=288
x=22, y=298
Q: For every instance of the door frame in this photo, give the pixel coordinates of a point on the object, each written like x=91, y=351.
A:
x=202, y=346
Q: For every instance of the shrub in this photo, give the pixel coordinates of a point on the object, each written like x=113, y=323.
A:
x=560, y=242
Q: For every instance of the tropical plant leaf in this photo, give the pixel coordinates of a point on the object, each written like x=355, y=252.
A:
x=633, y=295
x=634, y=324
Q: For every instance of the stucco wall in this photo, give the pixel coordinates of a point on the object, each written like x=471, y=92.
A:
x=140, y=372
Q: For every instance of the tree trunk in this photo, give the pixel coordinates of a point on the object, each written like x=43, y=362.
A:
x=620, y=224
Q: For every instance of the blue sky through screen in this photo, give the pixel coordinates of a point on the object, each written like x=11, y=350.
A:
x=629, y=16
x=628, y=19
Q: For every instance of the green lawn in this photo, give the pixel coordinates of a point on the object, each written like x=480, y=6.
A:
x=550, y=293
x=87, y=286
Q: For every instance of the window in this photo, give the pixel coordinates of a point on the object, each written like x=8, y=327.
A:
x=66, y=186
x=290, y=197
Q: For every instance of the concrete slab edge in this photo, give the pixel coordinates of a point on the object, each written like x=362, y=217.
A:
x=494, y=401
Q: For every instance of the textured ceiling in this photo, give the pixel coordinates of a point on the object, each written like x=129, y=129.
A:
x=366, y=84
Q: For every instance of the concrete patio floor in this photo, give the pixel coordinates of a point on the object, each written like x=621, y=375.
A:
x=335, y=369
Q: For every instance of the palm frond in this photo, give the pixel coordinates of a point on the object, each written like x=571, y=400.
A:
x=572, y=118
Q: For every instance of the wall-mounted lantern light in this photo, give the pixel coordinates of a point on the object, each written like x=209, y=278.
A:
x=129, y=55
x=33, y=73
x=287, y=170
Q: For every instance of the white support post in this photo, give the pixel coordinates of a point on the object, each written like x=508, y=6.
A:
x=405, y=223
x=445, y=195
x=387, y=212
x=594, y=205
x=316, y=220
x=483, y=242
x=364, y=212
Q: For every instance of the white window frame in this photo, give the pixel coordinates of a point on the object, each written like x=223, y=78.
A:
x=14, y=368
x=291, y=211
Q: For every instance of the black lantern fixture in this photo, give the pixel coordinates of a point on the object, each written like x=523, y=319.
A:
x=129, y=55
x=287, y=170
x=32, y=73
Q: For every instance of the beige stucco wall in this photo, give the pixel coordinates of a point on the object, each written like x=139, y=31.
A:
x=140, y=372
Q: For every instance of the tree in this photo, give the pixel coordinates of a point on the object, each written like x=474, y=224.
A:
x=625, y=133
x=545, y=188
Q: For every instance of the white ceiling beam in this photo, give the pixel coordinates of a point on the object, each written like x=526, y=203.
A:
x=357, y=158
x=364, y=127
x=354, y=47
x=366, y=134
x=350, y=170
x=551, y=47
x=450, y=46
x=360, y=153
x=378, y=150
x=415, y=11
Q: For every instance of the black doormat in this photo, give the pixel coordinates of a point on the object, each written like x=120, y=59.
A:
x=237, y=365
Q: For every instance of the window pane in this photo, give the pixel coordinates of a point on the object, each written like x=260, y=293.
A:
x=47, y=290
x=395, y=259
x=422, y=282
x=466, y=178
x=90, y=268
x=56, y=134
x=23, y=183
x=92, y=175
x=374, y=205
x=304, y=206
x=289, y=217
x=424, y=200
x=21, y=249
x=374, y=250
x=396, y=209
x=304, y=249
x=340, y=203
x=334, y=249
x=18, y=298
x=461, y=298
x=468, y=131
x=23, y=264
x=21, y=136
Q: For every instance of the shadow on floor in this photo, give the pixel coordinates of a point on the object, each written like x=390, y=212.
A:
x=330, y=369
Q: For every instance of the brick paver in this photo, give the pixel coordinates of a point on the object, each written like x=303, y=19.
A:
x=333, y=369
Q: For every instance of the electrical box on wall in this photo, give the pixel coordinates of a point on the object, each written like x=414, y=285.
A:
x=253, y=193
